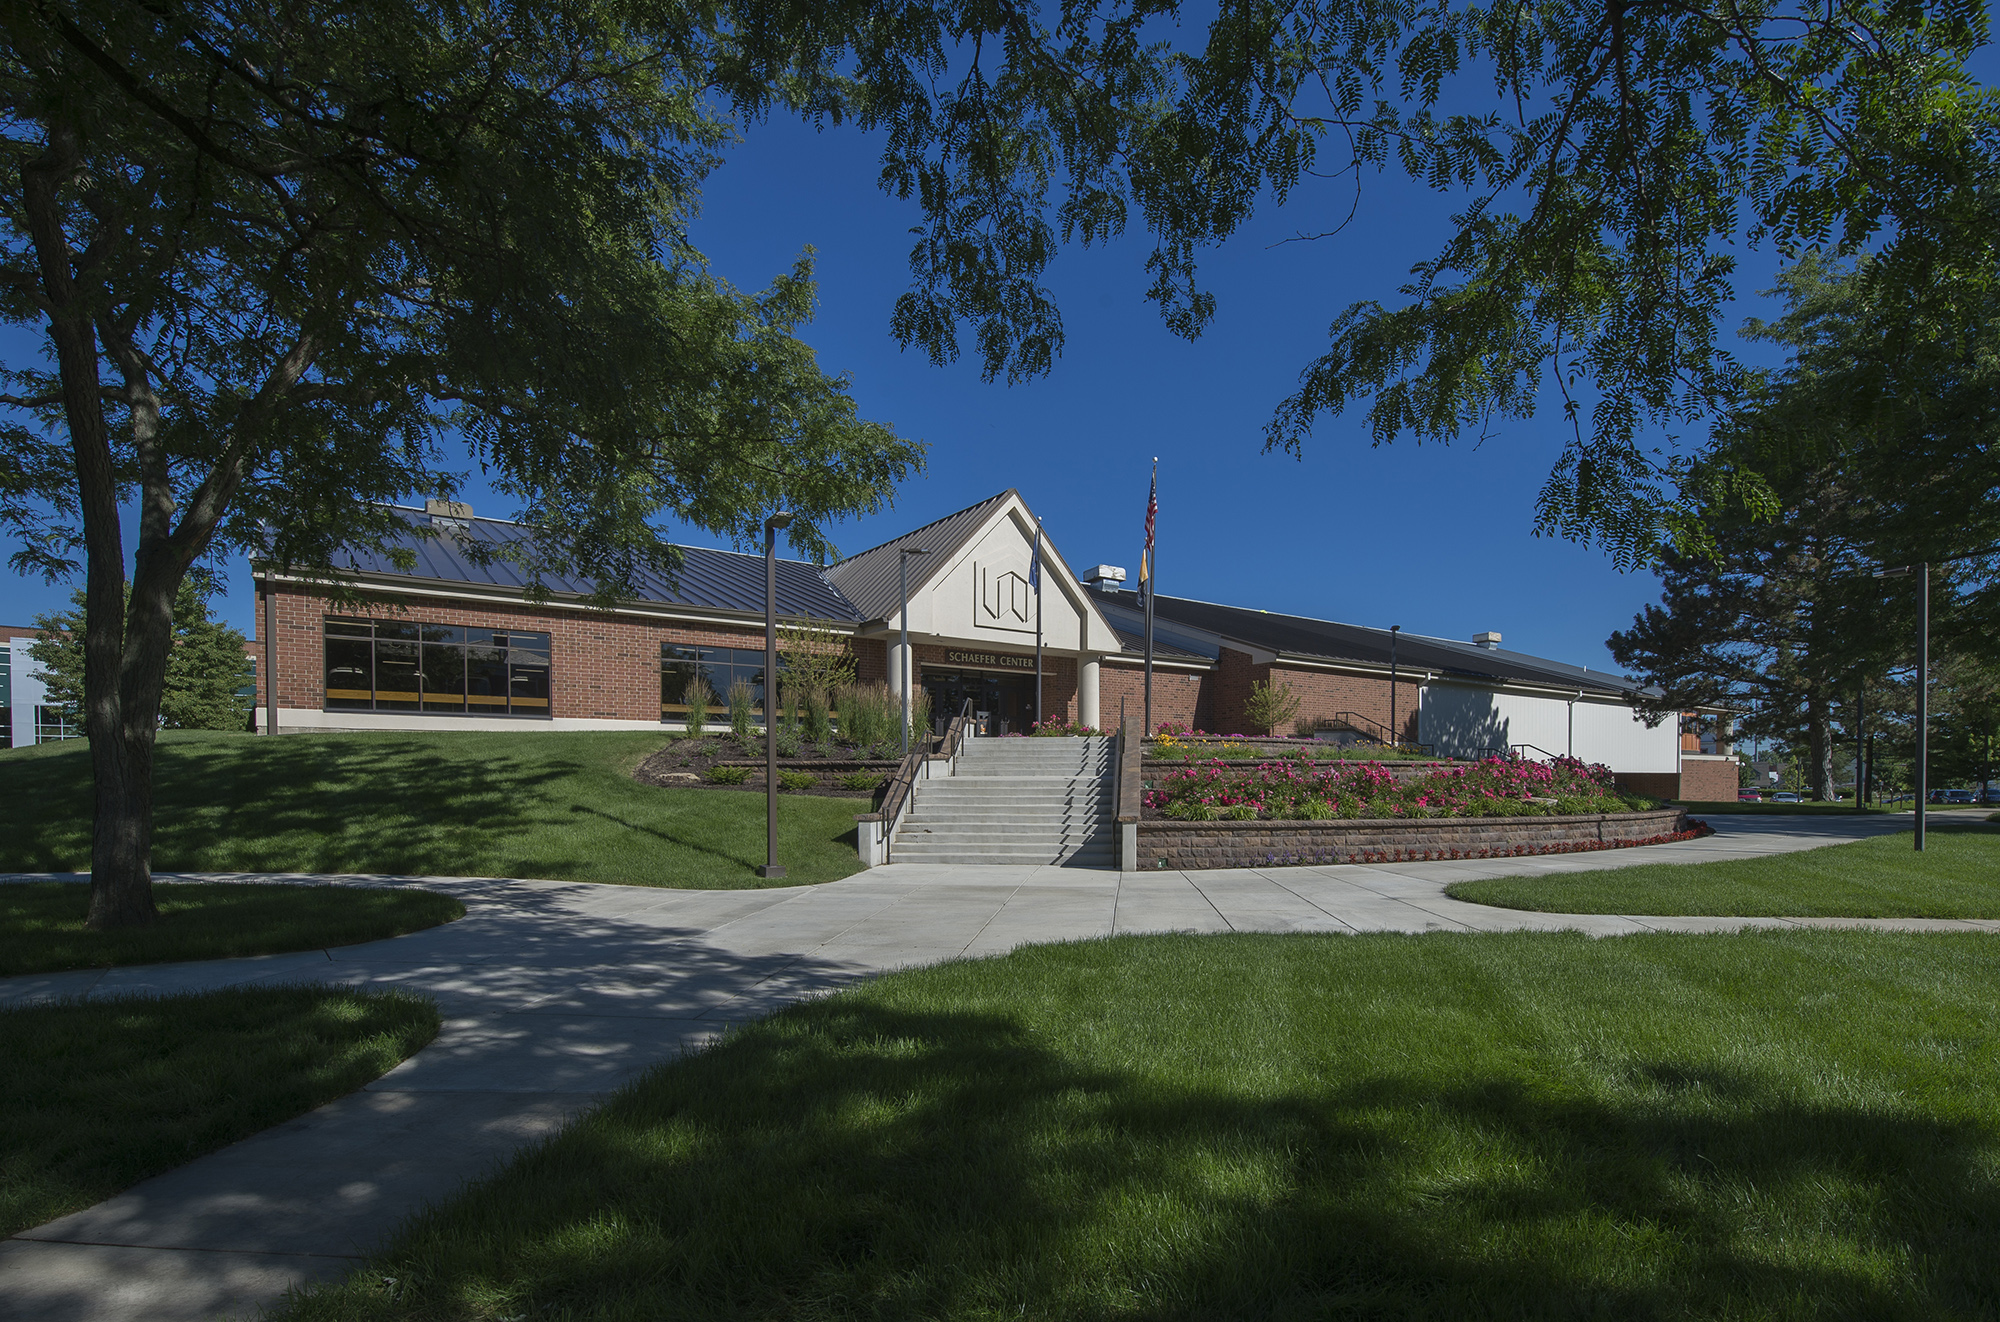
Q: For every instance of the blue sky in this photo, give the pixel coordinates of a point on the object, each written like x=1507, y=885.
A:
x=1435, y=538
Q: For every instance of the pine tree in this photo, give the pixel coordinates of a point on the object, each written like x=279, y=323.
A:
x=206, y=665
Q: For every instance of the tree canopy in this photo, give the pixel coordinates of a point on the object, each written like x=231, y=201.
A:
x=1609, y=162
x=1880, y=448
x=284, y=258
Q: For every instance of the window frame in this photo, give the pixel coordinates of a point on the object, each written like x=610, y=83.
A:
x=524, y=659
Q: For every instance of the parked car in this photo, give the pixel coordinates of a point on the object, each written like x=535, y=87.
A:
x=1966, y=797
x=1786, y=796
x=1748, y=796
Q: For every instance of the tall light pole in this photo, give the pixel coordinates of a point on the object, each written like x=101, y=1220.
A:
x=771, y=526
x=1395, y=736
x=903, y=570
x=1923, y=568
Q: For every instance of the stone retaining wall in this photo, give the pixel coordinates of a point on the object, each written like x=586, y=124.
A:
x=1256, y=844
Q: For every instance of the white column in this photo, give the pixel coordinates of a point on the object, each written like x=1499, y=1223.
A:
x=1086, y=689
x=898, y=658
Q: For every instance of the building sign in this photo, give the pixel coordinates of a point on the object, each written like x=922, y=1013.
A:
x=990, y=660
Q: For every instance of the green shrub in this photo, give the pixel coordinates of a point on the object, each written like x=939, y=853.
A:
x=742, y=711
x=1305, y=727
x=728, y=775
x=788, y=740
x=862, y=780
x=920, y=718
x=797, y=780
x=1270, y=705
x=700, y=697
x=1239, y=812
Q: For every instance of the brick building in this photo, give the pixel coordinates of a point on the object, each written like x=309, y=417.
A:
x=454, y=639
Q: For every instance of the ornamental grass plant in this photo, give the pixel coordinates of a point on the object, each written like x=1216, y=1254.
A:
x=742, y=711
x=700, y=697
x=1300, y=789
x=867, y=715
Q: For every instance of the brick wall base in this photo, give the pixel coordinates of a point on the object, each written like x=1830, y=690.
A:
x=1653, y=784
x=1181, y=846
x=1703, y=781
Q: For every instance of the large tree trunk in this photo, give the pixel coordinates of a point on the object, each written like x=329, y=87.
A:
x=123, y=720
x=121, y=844
x=121, y=879
x=1819, y=748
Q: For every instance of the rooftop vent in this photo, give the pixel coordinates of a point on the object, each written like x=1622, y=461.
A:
x=1488, y=640
x=448, y=513
x=1105, y=576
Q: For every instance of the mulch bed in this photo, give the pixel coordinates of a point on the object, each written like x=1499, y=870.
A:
x=685, y=763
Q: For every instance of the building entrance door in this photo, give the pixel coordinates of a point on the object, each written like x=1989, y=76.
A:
x=1004, y=703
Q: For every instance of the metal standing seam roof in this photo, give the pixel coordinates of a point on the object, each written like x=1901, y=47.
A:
x=708, y=579
x=870, y=579
x=1326, y=640
x=1135, y=645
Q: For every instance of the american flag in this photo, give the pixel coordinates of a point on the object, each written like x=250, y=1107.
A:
x=1152, y=514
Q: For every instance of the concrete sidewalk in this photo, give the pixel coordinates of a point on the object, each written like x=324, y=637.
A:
x=554, y=993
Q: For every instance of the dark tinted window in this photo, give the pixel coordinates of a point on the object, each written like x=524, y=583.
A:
x=398, y=665
x=721, y=667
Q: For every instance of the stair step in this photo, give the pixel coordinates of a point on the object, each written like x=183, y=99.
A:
x=969, y=838
x=995, y=857
x=1045, y=802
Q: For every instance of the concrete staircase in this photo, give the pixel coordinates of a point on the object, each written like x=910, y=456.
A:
x=1040, y=801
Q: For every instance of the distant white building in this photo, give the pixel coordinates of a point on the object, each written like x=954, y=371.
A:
x=26, y=717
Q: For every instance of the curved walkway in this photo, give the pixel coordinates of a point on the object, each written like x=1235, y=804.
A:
x=554, y=993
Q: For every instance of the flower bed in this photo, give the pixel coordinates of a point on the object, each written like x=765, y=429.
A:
x=1189, y=846
x=1193, y=746
x=1304, y=790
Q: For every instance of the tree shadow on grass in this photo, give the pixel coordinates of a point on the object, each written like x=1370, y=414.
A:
x=666, y=837
x=299, y=803
x=850, y=1158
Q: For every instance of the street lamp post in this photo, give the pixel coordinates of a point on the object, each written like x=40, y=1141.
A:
x=771, y=526
x=1395, y=735
x=903, y=571
x=1923, y=569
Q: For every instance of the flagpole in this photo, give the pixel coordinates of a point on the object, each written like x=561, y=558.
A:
x=1038, y=620
x=1148, y=582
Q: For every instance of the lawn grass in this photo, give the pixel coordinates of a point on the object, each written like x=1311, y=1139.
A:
x=544, y=804
x=100, y=1094
x=1815, y=808
x=1797, y=1124
x=1957, y=876
x=41, y=922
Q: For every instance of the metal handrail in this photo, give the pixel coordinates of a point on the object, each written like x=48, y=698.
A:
x=1513, y=750
x=1374, y=729
x=1118, y=759
x=896, y=791
x=1358, y=723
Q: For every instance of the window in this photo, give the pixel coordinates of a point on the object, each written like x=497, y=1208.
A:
x=720, y=666
x=51, y=724
x=441, y=669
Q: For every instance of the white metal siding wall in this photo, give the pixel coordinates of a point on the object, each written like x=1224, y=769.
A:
x=1462, y=719
x=28, y=691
